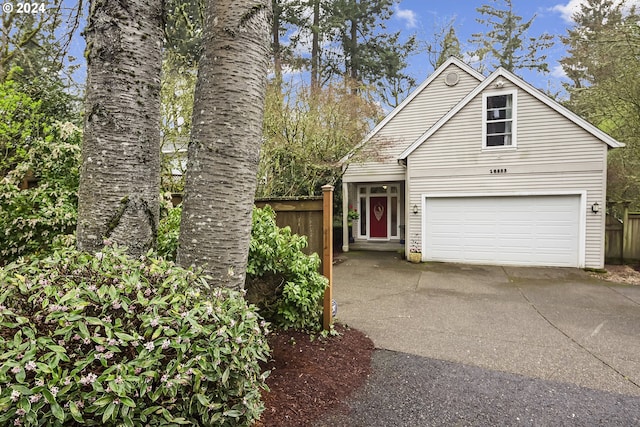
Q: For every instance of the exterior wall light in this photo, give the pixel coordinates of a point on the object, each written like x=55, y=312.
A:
x=415, y=209
x=595, y=208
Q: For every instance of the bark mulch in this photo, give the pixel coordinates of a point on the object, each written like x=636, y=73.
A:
x=311, y=377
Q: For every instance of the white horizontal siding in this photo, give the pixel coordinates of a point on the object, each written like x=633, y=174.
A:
x=552, y=155
x=379, y=157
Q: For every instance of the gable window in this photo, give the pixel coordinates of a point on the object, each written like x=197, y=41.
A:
x=499, y=119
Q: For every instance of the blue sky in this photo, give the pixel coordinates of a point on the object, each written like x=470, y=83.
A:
x=423, y=17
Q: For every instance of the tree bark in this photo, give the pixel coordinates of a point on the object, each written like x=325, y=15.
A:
x=225, y=141
x=315, y=46
x=120, y=174
x=275, y=33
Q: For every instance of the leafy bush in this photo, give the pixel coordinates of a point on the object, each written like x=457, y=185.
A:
x=168, y=232
x=110, y=340
x=278, y=267
x=36, y=146
x=282, y=280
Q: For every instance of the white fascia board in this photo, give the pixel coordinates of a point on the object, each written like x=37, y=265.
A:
x=452, y=60
x=521, y=84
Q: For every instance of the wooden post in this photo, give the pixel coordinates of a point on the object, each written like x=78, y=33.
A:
x=327, y=254
x=625, y=232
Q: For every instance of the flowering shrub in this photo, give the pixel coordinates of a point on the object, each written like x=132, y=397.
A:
x=33, y=144
x=110, y=340
x=276, y=258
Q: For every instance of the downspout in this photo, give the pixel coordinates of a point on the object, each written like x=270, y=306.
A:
x=403, y=163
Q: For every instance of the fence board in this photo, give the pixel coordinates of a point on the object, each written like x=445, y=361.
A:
x=303, y=216
x=622, y=240
x=632, y=242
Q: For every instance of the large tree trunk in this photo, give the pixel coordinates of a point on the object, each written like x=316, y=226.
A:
x=120, y=174
x=275, y=45
x=315, y=46
x=225, y=140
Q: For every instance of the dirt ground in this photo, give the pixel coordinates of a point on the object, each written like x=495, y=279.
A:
x=310, y=377
x=626, y=274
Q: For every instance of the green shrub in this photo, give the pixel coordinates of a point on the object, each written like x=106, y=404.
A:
x=168, y=232
x=282, y=280
x=32, y=144
x=110, y=340
x=277, y=266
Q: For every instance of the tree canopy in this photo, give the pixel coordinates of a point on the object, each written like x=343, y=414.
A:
x=603, y=63
x=507, y=43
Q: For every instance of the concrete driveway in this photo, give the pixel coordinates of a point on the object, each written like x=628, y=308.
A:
x=549, y=323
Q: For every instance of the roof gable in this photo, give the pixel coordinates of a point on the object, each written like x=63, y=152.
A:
x=451, y=61
x=521, y=84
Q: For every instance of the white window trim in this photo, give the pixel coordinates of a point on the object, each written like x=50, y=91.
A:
x=367, y=196
x=514, y=120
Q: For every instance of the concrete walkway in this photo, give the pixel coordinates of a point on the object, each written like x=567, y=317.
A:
x=551, y=324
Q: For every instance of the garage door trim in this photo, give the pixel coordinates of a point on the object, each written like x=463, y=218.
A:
x=582, y=220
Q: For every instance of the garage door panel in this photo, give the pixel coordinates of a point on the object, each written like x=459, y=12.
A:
x=536, y=230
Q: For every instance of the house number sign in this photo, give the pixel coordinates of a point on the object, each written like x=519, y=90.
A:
x=497, y=171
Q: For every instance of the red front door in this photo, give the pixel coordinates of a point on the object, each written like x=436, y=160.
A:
x=378, y=217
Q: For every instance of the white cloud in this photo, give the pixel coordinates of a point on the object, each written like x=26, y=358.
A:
x=558, y=72
x=567, y=10
x=407, y=15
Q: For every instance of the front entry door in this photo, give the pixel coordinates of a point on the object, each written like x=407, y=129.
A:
x=378, y=217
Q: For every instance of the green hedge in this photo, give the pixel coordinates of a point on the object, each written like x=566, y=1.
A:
x=110, y=340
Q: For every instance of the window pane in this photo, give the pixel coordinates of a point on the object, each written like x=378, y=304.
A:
x=363, y=190
x=499, y=114
x=499, y=127
x=378, y=190
x=495, y=140
x=363, y=216
x=394, y=189
x=394, y=216
x=497, y=101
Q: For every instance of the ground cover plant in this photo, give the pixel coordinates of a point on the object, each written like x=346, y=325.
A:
x=110, y=340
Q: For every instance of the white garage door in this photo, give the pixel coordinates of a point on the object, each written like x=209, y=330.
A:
x=536, y=230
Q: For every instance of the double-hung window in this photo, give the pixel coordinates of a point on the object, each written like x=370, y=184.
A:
x=499, y=119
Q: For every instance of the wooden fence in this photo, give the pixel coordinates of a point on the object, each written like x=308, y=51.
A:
x=311, y=217
x=622, y=239
x=302, y=215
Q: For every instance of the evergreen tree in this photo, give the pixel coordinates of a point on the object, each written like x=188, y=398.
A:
x=595, y=20
x=603, y=48
x=444, y=44
x=369, y=54
x=506, y=43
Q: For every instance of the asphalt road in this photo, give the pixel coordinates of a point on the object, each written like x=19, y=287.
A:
x=461, y=345
x=409, y=390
